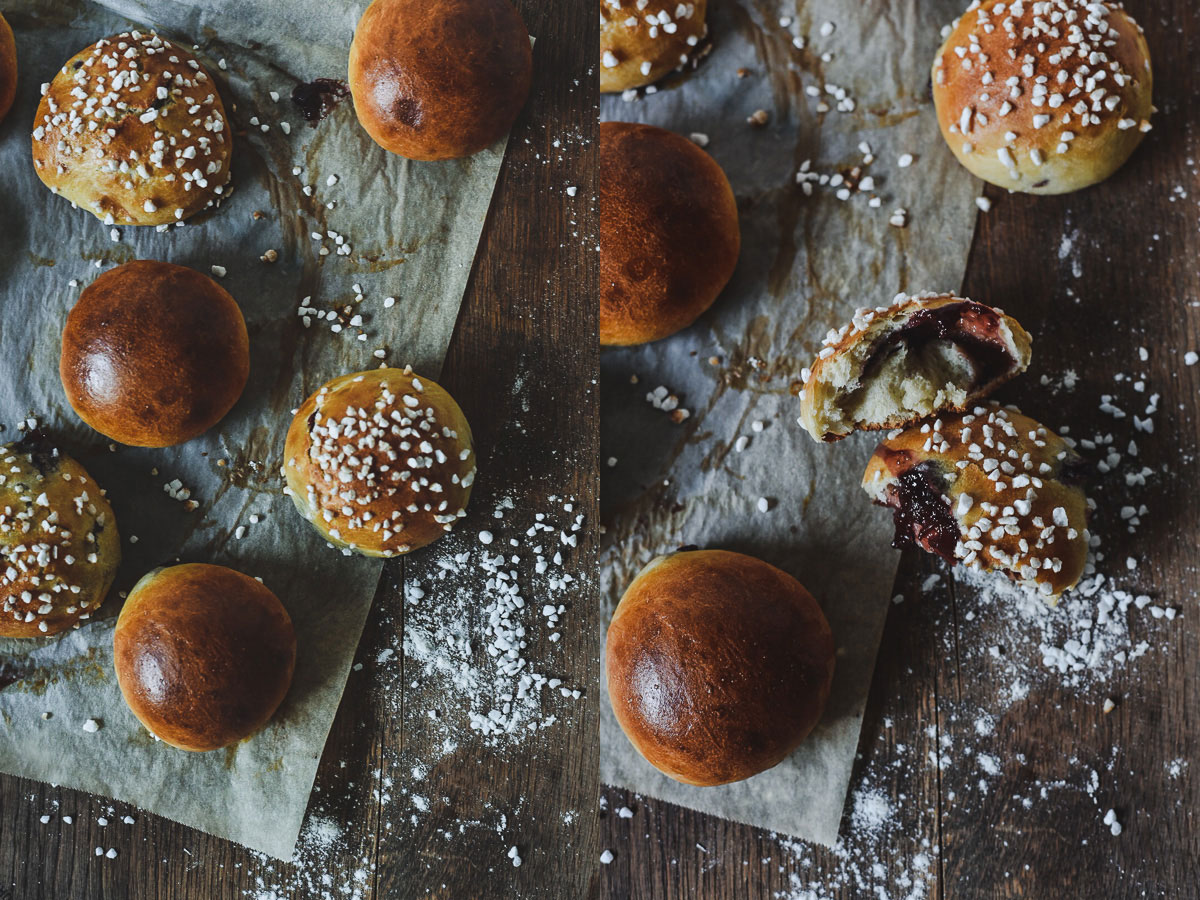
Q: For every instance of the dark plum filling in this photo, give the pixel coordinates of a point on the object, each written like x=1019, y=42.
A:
x=921, y=514
x=972, y=327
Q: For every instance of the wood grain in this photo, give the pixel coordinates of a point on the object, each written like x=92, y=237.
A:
x=528, y=312
x=1094, y=276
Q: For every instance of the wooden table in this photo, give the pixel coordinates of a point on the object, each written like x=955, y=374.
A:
x=528, y=314
x=1094, y=276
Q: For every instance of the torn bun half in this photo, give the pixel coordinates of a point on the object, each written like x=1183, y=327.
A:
x=898, y=364
x=991, y=489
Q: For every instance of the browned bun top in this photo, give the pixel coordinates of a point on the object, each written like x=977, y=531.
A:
x=8, y=68
x=991, y=489
x=718, y=665
x=59, y=548
x=380, y=462
x=204, y=655
x=132, y=129
x=439, y=79
x=154, y=354
x=669, y=237
x=1043, y=96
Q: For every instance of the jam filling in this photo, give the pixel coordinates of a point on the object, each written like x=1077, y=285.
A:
x=316, y=99
x=972, y=327
x=921, y=515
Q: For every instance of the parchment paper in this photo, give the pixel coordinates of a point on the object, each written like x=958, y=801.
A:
x=806, y=264
x=413, y=228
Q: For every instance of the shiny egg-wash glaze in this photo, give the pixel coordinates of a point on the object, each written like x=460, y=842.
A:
x=439, y=79
x=204, y=655
x=154, y=354
x=719, y=665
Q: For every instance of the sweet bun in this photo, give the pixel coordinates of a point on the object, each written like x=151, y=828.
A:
x=991, y=489
x=132, y=129
x=204, y=655
x=643, y=40
x=1043, y=96
x=154, y=354
x=718, y=665
x=439, y=79
x=896, y=364
x=59, y=548
x=8, y=67
x=380, y=462
x=669, y=237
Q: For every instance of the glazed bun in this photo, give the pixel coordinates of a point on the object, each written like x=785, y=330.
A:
x=380, y=462
x=669, y=237
x=132, y=129
x=1043, y=96
x=204, y=655
x=8, y=68
x=896, y=364
x=718, y=665
x=643, y=40
x=59, y=548
x=991, y=489
x=154, y=354
x=439, y=79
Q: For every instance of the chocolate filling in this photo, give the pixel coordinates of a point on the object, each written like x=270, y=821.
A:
x=316, y=99
x=921, y=514
x=972, y=327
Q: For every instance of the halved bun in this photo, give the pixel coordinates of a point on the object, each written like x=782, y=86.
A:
x=991, y=489
x=898, y=364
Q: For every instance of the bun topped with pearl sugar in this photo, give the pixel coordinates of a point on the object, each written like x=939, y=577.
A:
x=991, y=489
x=643, y=40
x=132, y=129
x=380, y=462
x=1043, y=96
x=59, y=549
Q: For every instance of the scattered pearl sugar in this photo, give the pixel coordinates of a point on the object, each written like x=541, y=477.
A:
x=606, y=857
x=91, y=726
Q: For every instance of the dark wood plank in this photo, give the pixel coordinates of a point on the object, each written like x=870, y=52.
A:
x=526, y=312
x=523, y=365
x=1095, y=276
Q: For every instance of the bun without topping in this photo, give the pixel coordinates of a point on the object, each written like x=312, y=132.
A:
x=643, y=40
x=8, y=68
x=991, y=489
x=439, y=79
x=1043, y=96
x=718, y=665
x=380, y=462
x=154, y=354
x=897, y=364
x=204, y=655
x=132, y=129
x=669, y=237
x=59, y=548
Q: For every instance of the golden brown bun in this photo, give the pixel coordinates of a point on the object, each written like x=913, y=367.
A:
x=1043, y=97
x=380, y=462
x=8, y=68
x=642, y=41
x=132, y=129
x=897, y=364
x=204, y=655
x=992, y=489
x=669, y=237
x=154, y=354
x=718, y=665
x=59, y=548
x=439, y=79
